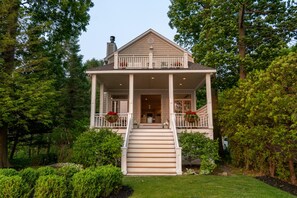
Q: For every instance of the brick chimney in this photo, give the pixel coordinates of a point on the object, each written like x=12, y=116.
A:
x=111, y=47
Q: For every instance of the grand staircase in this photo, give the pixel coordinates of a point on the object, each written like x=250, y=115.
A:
x=151, y=152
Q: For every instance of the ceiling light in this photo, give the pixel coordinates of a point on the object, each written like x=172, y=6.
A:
x=153, y=78
x=184, y=78
x=121, y=84
x=180, y=84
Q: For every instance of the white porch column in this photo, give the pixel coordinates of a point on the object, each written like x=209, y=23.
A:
x=93, y=101
x=116, y=60
x=185, y=60
x=171, y=96
x=194, y=100
x=101, y=98
x=209, y=103
x=131, y=92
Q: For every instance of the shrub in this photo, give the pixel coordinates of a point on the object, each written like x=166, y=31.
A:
x=46, y=170
x=8, y=172
x=97, y=148
x=67, y=171
x=86, y=183
x=29, y=176
x=196, y=145
x=13, y=186
x=111, y=179
x=94, y=182
x=50, y=186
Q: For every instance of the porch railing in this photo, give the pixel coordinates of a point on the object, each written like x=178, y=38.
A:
x=101, y=122
x=202, y=121
x=144, y=62
x=178, y=150
x=126, y=143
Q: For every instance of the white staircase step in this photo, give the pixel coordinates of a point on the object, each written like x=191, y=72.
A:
x=150, y=138
x=151, y=165
x=151, y=159
x=151, y=131
x=151, y=142
x=152, y=170
x=151, y=134
x=148, y=146
x=151, y=155
x=144, y=150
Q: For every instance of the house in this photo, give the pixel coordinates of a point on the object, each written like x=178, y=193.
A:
x=151, y=83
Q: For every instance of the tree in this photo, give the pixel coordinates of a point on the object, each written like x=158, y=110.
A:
x=93, y=63
x=260, y=119
x=32, y=38
x=235, y=37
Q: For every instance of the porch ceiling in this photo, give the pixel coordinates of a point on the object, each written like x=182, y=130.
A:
x=151, y=81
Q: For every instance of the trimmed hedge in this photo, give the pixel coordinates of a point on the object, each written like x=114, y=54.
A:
x=94, y=182
x=50, y=186
x=13, y=186
x=68, y=181
x=46, y=170
x=8, y=172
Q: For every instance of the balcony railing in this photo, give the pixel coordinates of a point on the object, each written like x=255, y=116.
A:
x=202, y=121
x=150, y=62
x=101, y=122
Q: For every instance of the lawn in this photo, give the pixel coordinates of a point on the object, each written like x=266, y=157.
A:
x=201, y=186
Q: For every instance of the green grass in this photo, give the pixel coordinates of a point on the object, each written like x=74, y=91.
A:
x=201, y=186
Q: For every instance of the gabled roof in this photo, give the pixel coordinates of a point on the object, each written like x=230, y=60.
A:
x=146, y=33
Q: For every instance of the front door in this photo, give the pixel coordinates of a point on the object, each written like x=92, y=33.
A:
x=150, y=109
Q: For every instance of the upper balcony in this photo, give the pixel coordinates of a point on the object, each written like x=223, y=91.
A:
x=150, y=62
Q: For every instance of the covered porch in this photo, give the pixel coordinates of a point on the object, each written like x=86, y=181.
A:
x=160, y=98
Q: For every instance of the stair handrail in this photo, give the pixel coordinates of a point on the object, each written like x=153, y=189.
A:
x=125, y=146
x=177, y=148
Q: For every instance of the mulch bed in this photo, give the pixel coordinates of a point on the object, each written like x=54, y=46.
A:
x=285, y=186
x=125, y=192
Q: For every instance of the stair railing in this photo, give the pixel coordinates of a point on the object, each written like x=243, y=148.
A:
x=125, y=146
x=176, y=144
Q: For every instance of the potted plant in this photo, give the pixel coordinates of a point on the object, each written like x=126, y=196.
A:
x=112, y=117
x=166, y=125
x=135, y=124
x=191, y=116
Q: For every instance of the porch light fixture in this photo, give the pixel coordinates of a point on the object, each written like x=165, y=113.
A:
x=184, y=78
x=180, y=84
x=153, y=77
x=121, y=84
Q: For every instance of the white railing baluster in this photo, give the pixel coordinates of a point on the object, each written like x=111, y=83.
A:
x=142, y=62
x=100, y=121
x=202, y=121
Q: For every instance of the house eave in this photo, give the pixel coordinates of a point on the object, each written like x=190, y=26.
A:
x=148, y=71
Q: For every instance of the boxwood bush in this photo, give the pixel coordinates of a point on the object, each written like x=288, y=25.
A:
x=86, y=183
x=46, y=170
x=97, y=182
x=97, y=148
x=13, y=186
x=111, y=179
x=8, y=172
x=198, y=146
x=50, y=186
x=29, y=176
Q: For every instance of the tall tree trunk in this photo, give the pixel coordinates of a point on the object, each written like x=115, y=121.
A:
x=8, y=55
x=241, y=42
x=216, y=126
x=13, y=148
x=271, y=168
x=292, y=171
x=3, y=148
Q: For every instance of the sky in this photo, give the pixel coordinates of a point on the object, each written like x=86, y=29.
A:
x=124, y=19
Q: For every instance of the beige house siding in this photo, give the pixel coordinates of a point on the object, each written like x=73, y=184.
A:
x=160, y=47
